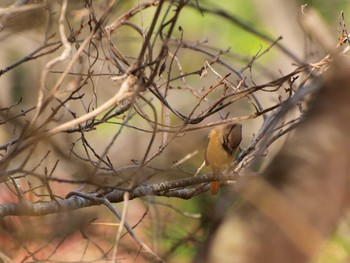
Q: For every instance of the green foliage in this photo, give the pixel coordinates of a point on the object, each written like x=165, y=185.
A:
x=219, y=32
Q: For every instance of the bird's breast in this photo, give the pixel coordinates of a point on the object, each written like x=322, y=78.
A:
x=215, y=153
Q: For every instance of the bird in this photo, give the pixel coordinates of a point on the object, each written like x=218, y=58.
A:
x=223, y=144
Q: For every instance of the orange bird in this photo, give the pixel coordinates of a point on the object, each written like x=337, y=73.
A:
x=223, y=144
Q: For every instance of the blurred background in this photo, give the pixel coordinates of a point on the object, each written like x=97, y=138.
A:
x=172, y=227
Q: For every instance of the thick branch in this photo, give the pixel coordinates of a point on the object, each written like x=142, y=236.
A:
x=73, y=202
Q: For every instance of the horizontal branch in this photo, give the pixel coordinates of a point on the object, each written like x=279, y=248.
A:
x=77, y=200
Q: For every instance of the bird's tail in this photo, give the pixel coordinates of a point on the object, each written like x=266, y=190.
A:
x=214, y=187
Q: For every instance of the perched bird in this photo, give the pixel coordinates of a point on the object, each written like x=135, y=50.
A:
x=223, y=144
